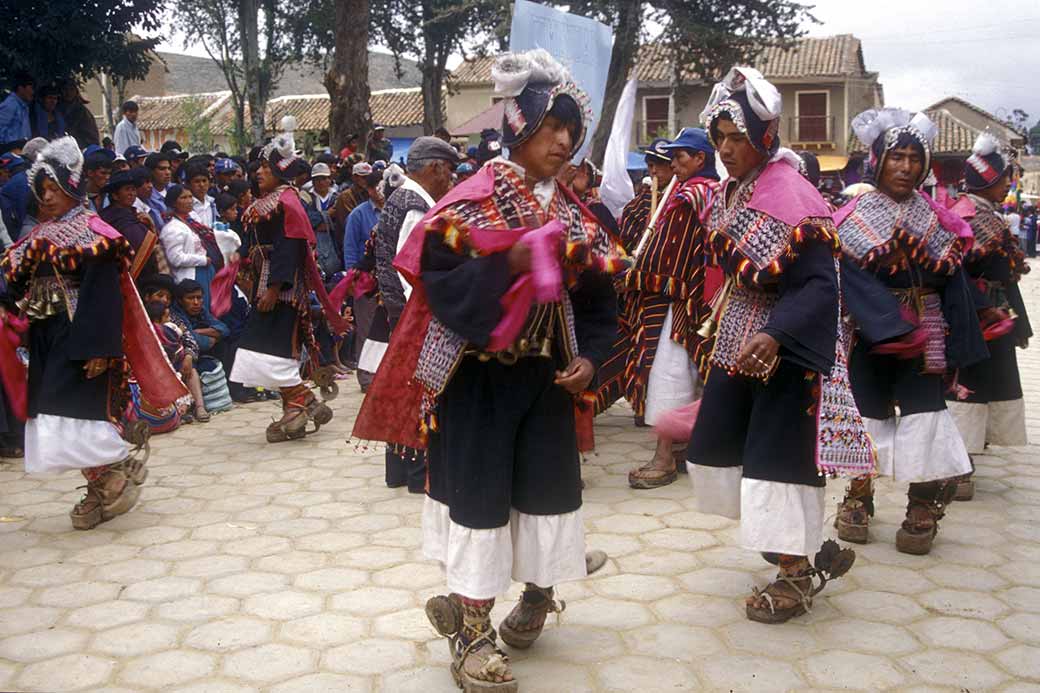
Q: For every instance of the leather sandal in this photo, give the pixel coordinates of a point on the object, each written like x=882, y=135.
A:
x=111, y=495
x=855, y=511
x=791, y=595
x=925, y=507
x=486, y=661
x=524, y=623
x=292, y=426
x=651, y=476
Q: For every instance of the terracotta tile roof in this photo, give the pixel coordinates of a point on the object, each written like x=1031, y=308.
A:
x=390, y=107
x=981, y=111
x=169, y=112
x=955, y=136
x=188, y=74
x=475, y=71
x=397, y=107
x=829, y=56
x=311, y=111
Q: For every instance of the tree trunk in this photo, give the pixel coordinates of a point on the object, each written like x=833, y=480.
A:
x=347, y=80
x=104, y=82
x=433, y=66
x=622, y=58
x=249, y=34
x=432, y=93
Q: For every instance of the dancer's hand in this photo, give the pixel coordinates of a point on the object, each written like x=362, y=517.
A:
x=95, y=367
x=519, y=258
x=576, y=376
x=267, y=300
x=757, y=356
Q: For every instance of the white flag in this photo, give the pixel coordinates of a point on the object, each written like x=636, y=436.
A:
x=616, y=190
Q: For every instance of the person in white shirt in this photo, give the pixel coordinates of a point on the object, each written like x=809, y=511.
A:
x=185, y=251
x=203, y=209
x=126, y=134
x=1014, y=220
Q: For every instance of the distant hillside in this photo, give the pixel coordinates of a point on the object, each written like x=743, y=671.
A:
x=189, y=74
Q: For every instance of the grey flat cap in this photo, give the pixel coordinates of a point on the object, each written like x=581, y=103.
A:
x=432, y=148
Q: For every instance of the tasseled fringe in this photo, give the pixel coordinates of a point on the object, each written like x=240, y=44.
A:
x=65, y=259
x=361, y=445
x=918, y=252
x=402, y=451
x=746, y=272
x=661, y=284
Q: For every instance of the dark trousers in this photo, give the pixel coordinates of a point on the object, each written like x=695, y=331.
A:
x=402, y=471
x=769, y=429
x=364, y=312
x=506, y=441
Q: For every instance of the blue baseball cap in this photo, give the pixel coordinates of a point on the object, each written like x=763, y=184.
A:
x=696, y=140
x=135, y=151
x=95, y=148
x=691, y=138
x=657, y=151
x=225, y=166
x=9, y=161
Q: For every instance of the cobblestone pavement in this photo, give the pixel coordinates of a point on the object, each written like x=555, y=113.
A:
x=249, y=567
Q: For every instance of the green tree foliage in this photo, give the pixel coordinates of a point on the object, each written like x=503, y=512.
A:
x=199, y=130
x=1034, y=138
x=58, y=39
x=429, y=31
x=251, y=41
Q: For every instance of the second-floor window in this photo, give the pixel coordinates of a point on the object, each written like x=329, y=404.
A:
x=813, y=119
x=656, y=122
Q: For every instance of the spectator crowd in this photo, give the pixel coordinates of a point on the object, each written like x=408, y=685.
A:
x=181, y=213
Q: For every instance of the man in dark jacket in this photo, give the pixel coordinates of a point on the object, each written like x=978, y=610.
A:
x=430, y=164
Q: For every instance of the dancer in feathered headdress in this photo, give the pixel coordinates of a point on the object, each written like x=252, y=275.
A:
x=86, y=322
x=511, y=312
x=895, y=238
x=285, y=273
x=777, y=416
x=988, y=405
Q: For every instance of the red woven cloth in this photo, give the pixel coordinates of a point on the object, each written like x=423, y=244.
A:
x=221, y=287
x=12, y=371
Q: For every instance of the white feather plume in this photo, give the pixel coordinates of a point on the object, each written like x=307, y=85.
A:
x=985, y=144
x=512, y=72
x=872, y=123
x=65, y=151
x=924, y=125
x=282, y=143
x=763, y=97
x=61, y=153
x=393, y=176
x=289, y=123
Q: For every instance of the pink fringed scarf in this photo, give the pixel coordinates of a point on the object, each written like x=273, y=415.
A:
x=391, y=411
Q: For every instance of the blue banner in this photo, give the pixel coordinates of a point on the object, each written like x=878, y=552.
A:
x=582, y=44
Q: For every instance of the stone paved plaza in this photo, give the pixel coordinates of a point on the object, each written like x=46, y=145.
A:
x=248, y=567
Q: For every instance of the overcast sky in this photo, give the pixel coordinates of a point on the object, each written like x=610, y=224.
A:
x=987, y=51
